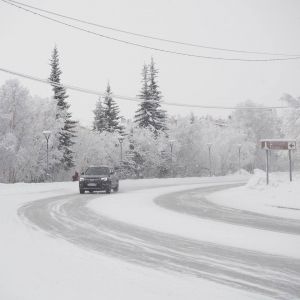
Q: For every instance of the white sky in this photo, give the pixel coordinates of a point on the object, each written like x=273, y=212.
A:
x=88, y=61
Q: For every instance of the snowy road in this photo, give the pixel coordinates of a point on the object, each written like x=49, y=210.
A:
x=68, y=217
x=190, y=202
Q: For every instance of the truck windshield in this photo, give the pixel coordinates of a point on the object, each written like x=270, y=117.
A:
x=97, y=171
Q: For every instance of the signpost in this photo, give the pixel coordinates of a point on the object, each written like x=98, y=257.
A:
x=280, y=144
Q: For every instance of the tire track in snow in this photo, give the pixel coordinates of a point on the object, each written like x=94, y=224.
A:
x=68, y=217
x=194, y=202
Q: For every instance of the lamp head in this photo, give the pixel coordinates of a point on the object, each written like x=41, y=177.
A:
x=47, y=133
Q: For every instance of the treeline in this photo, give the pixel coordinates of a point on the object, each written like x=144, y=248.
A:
x=151, y=145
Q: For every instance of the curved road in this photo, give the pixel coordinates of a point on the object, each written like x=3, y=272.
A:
x=69, y=217
x=194, y=202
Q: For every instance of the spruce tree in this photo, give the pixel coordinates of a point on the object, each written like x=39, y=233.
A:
x=111, y=113
x=159, y=118
x=150, y=115
x=99, y=118
x=67, y=132
x=143, y=116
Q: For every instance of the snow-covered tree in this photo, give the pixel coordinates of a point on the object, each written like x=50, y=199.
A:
x=67, y=132
x=225, y=141
x=159, y=115
x=22, y=144
x=14, y=119
x=145, y=111
x=257, y=124
x=145, y=149
x=291, y=117
x=291, y=123
x=92, y=148
x=111, y=117
x=149, y=114
x=190, y=147
x=99, y=123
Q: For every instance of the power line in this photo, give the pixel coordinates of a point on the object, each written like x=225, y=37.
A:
x=134, y=99
x=152, y=37
x=148, y=47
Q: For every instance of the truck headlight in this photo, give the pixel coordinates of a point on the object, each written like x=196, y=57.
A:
x=81, y=179
x=104, y=178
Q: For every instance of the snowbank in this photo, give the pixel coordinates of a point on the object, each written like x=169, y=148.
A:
x=242, y=172
x=280, y=198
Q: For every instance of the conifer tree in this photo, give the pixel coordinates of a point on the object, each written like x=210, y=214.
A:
x=99, y=118
x=159, y=118
x=144, y=114
x=67, y=132
x=150, y=115
x=111, y=113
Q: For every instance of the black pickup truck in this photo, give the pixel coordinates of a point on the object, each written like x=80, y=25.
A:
x=100, y=178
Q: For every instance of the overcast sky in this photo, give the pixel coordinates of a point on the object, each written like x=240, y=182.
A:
x=90, y=62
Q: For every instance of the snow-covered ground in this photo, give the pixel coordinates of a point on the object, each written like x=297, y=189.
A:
x=139, y=209
x=35, y=266
x=280, y=198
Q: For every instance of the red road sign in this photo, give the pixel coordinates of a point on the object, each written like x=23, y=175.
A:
x=272, y=144
x=278, y=144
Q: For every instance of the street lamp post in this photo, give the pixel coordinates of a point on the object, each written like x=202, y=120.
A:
x=47, y=134
x=171, y=148
x=209, y=155
x=239, y=147
x=121, y=139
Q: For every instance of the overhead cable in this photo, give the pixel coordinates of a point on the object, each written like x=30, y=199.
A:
x=152, y=48
x=149, y=36
x=134, y=99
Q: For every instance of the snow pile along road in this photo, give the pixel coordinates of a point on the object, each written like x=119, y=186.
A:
x=280, y=198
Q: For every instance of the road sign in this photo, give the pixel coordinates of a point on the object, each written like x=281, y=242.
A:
x=292, y=145
x=278, y=144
